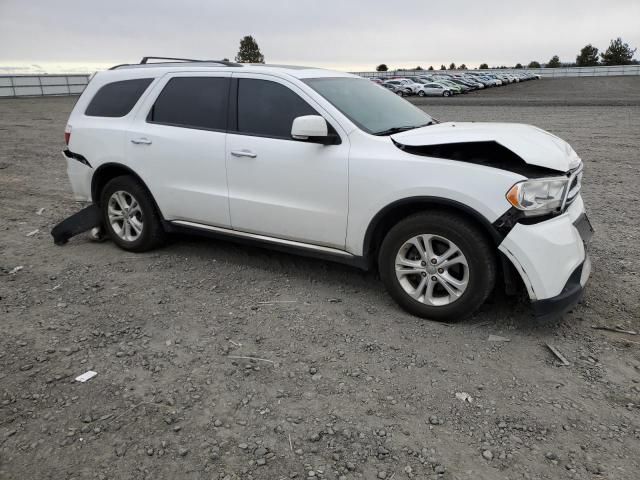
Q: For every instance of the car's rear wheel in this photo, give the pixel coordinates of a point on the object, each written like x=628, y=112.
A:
x=130, y=216
x=437, y=265
x=421, y=93
x=446, y=93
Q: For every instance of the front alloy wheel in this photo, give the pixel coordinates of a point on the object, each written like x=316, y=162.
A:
x=432, y=269
x=438, y=265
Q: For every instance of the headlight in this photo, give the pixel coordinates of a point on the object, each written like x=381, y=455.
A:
x=539, y=196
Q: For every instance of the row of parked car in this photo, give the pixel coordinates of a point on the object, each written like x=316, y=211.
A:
x=448, y=84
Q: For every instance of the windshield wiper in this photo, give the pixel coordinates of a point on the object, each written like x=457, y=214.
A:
x=392, y=130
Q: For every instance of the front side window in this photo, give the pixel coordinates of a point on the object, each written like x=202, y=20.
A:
x=267, y=108
x=193, y=102
x=116, y=99
x=373, y=109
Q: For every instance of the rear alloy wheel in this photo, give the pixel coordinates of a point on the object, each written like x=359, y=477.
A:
x=421, y=93
x=437, y=265
x=400, y=92
x=130, y=215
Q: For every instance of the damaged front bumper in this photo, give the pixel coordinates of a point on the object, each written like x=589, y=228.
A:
x=551, y=257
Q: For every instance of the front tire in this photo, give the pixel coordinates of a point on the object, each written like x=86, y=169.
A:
x=437, y=265
x=446, y=93
x=130, y=216
x=421, y=93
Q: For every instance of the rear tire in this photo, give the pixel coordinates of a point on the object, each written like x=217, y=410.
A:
x=446, y=93
x=421, y=93
x=130, y=216
x=448, y=277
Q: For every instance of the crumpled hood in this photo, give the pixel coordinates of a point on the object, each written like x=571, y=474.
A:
x=534, y=145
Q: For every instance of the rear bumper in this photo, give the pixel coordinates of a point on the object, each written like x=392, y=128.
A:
x=551, y=257
x=80, y=172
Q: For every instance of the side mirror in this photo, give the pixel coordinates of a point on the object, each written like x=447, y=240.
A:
x=312, y=128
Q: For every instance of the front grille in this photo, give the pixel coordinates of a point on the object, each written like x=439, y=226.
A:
x=575, y=184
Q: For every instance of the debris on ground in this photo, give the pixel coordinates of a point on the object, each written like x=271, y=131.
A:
x=498, y=338
x=34, y=232
x=464, y=396
x=15, y=270
x=617, y=329
x=86, y=376
x=558, y=355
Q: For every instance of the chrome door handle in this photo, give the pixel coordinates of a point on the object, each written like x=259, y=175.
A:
x=141, y=141
x=243, y=153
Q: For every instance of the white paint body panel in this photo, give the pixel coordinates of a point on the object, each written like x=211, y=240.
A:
x=546, y=254
x=291, y=189
x=534, y=145
x=183, y=167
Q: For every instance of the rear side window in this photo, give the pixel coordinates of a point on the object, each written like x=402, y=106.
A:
x=268, y=108
x=193, y=102
x=116, y=99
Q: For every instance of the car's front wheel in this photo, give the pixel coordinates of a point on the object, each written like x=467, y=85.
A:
x=130, y=216
x=437, y=265
x=446, y=93
x=421, y=93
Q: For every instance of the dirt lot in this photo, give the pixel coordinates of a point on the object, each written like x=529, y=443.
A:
x=350, y=386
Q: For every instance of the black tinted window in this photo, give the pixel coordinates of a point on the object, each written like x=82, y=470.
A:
x=268, y=108
x=197, y=102
x=118, y=98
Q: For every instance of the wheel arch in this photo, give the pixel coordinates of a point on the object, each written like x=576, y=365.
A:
x=400, y=209
x=111, y=170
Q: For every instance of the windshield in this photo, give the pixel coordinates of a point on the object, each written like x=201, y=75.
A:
x=372, y=108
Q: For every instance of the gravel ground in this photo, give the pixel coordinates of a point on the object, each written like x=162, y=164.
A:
x=347, y=385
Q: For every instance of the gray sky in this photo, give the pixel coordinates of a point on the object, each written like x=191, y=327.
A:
x=343, y=34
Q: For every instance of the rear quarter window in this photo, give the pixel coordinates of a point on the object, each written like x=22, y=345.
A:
x=116, y=99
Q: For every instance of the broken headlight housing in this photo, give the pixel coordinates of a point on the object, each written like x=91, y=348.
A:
x=540, y=196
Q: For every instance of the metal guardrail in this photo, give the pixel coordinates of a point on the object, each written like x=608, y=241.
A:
x=42, y=85
x=617, y=70
x=73, y=84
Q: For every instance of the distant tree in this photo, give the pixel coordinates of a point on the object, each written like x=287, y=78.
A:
x=418, y=68
x=533, y=64
x=554, y=62
x=442, y=67
x=249, y=51
x=588, y=56
x=618, y=53
x=430, y=67
x=518, y=66
x=382, y=68
x=462, y=67
x=483, y=66
x=452, y=66
x=225, y=59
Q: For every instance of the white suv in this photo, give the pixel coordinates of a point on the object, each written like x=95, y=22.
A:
x=329, y=164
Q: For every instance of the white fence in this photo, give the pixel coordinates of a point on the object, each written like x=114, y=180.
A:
x=617, y=70
x=42, y=85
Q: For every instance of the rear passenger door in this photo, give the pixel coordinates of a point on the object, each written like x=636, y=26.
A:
x=279, y=186
x=177, y=145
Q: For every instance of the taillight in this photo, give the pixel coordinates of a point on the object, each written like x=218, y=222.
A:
x=67, y=134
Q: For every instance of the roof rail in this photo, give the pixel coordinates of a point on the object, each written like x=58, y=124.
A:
x=145, y=61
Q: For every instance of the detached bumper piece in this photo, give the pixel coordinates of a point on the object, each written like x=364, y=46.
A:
x=80, y=222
